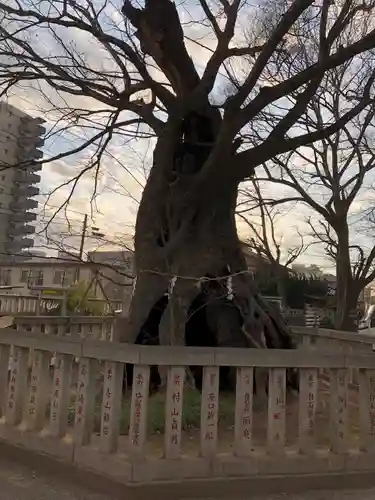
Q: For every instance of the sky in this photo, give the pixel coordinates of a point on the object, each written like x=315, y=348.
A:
x=126, y=163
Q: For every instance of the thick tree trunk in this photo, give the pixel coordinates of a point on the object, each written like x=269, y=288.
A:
x=347, y=288
x=181, y=245
x=282, y=276
x=346, y=313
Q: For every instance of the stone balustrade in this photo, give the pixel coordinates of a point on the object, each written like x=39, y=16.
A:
x=83, y=415
x=101, y=327
x=95, y=327
x=333, y=339
x=11, y=304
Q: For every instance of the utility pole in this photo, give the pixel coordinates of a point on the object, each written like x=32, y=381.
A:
x=81, y=247
x=83, y=237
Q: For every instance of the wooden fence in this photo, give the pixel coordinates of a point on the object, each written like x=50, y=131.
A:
x=82, y=414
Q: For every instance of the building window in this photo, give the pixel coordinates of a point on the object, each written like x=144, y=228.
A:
x=39, y=278
x=59, y=278
x=5, y=277
x=36, y=278
x=24, y=278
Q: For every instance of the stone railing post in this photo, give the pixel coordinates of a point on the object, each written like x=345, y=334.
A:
x=308, y=392
x=276, y=411
x=111, y=406
x=17, y=386
x=243, y=411
x=173, y=412
x=305, y=341
x=4, y=370
x=138, y=412
x=209, y=411
x=367, y=410
x=339, y=410
x=85, y=403
x=60, y=395
x=38, y=391
x=5, y=305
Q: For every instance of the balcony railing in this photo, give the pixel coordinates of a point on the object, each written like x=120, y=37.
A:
x=30, y=141
x=29, y=153
x=15, y=230
x=23, y=191
x=32, y=127
x=14, y=246
x=24, y=176
x=23, y=204
x=34, y=167
x=15, y=217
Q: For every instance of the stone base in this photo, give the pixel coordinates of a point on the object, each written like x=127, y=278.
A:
x=290, y=468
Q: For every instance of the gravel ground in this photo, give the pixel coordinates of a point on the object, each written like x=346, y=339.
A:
x=18, y=482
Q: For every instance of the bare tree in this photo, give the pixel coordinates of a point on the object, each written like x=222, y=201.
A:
x=143, y=80
x=329, y=176
x=264, y=221
x=359, y=251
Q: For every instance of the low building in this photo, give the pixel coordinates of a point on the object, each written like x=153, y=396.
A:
x=108, y=279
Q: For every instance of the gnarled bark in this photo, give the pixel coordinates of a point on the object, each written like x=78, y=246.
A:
x=186, y=245
x=185, y=230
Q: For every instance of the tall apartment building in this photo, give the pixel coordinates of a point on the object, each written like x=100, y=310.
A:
x=20, y=138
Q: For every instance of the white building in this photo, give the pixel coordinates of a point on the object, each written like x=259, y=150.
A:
x=20, y=138
x=110, y=279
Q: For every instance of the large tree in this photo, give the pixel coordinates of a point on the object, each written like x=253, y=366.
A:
x=147, y=76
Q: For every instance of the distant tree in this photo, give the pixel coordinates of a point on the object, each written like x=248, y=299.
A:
x=264, y=222
x=78, y=302
x=299, y=289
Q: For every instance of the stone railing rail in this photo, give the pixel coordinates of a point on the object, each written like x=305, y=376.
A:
x=34, y=305
x=97, y=327
x=100, y=327
x=103, y=328
x=334, y=341
x=37, y=410
x=320, y=337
